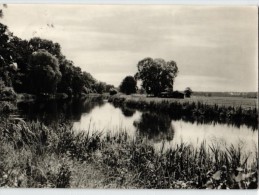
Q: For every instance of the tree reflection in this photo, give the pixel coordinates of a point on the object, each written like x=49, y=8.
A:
x=53, y=111
x=156, y=127
x=127, y=112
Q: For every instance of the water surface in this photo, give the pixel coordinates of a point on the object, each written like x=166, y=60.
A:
x=156, y=128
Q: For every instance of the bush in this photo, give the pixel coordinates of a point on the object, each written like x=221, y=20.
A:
x=7, y=93
x=113, y=91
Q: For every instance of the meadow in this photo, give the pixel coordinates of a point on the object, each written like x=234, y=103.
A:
x=234, y=111
x=220, y=101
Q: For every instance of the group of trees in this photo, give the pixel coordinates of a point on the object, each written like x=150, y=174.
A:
x=37, y=66
x=156, y=75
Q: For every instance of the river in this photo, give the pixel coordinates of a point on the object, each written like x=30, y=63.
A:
x=156, y=128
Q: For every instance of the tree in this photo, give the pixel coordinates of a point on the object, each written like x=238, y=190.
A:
x=65, y=85
x=21, y=55
x=37, y=43
x=44, y=72
x=99, y=87
x=88, y=79
x=38, y=66
x=156, y=75
x=7, y=68
x=109, y=88
x=188, y=92
x=128, y=85
x=113, y=91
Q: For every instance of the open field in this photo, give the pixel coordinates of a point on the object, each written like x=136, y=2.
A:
x=221, y=101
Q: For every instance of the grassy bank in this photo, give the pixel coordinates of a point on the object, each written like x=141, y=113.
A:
x=192, y=111
x=220, y=101
x=34, y=155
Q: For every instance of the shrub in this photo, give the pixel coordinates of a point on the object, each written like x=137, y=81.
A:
x=113, y=91
x=7, y=93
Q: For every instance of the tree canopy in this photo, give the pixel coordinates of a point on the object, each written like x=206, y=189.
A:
x=38, y=66
x=128, y=85
x=156, y=74
x=37, y=43
x=44, y=72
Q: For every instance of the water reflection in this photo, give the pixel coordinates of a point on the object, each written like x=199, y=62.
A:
x=155, y=127
x=97, y=115
x=210, y=119
x=107, y=118
x=53, y=111
x=127, y=112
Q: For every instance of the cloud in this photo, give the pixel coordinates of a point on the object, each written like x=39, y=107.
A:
x=108, y=40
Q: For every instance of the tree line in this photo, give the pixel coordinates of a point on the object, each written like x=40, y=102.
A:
x=37, y=66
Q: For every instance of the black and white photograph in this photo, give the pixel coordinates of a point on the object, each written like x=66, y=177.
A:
x=128, y=96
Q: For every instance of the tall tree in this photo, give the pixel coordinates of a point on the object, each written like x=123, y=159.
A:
x=7, y=66
x=128, y=85
x=37, y=43
x=38, y=66
x=156, y=75
x=99, y=87
x=65, y=85
x=21, y=55
x=44, y=72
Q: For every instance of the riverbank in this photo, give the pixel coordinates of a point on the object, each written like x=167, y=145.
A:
x=194, y=109
x=35, y=155
x=246, y=103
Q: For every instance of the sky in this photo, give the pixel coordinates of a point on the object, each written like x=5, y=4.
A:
x=215, y=48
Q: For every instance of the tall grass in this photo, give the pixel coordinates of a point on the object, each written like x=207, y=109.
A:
x=180, y=167
x=35, y=155
x=192, y=111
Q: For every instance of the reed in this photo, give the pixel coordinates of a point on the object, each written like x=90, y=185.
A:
x=194, y=111
x=182, y=166
x=35, y=155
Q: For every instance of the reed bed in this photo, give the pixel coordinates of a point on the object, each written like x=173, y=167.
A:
x=35, y=155
x=195, y=111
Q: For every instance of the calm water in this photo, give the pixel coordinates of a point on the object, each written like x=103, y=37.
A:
x=155, y=128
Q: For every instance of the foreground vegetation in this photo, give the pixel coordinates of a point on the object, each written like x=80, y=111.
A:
x=192, y=111
x=35, y=155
